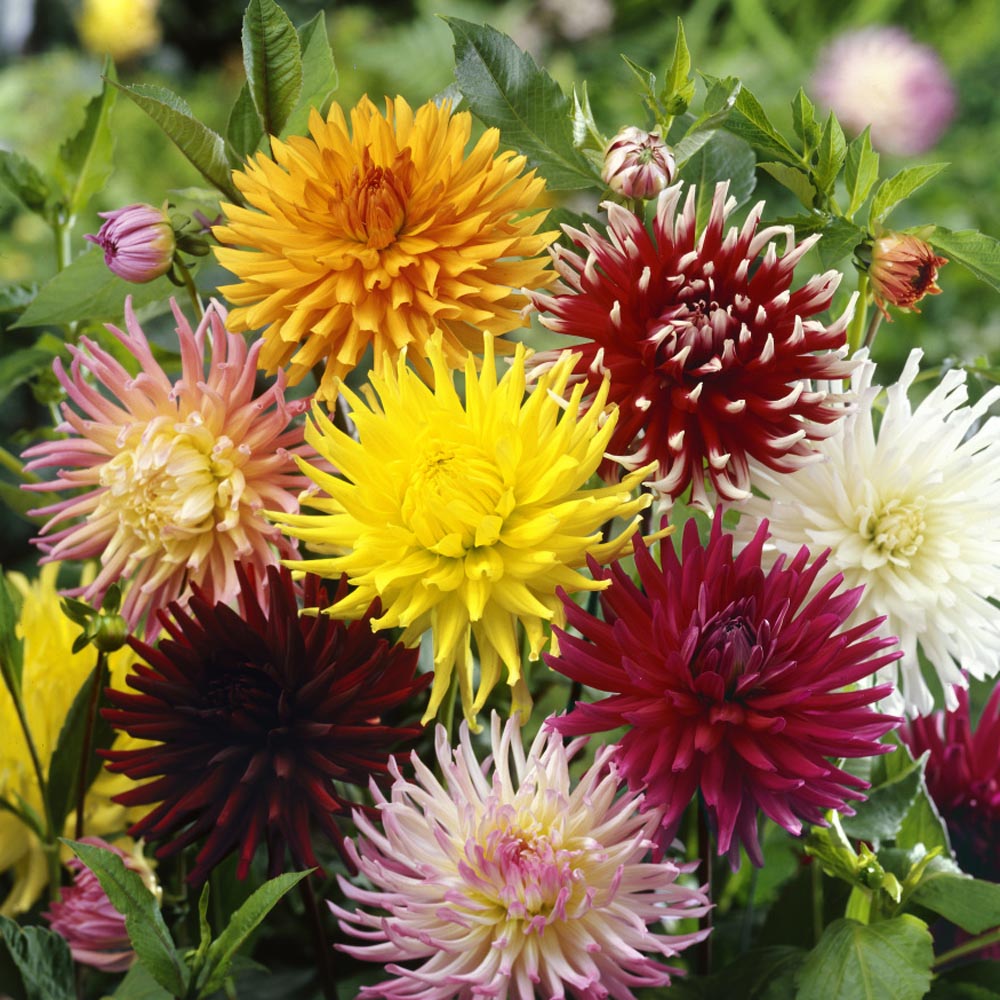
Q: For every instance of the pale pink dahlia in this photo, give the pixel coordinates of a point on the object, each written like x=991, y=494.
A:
x=506, y=882
x=707, y=347
x=734, y=681
x=175, y=475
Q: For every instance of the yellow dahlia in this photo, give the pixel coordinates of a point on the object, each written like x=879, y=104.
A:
x=53, y=674
x=382, y=233
x=465, y=517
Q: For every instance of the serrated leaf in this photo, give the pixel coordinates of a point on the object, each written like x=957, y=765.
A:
x=85, y=159
x=272, y=58
x=923, y=826
x=42, y=959
x=860, y=170
x=244, y=130
x=678, y=88
x=750, y=122
x=319, y=74
x=148, y=933
x=725, y=157
x=25, y=181
x=505, y=89
x=893, y=190
x=64, y=770
x=973, y=904
x=880, y=816
x=792, y=178
x=830, y=156
x=203, y=147
x=87, y=290
x=242, y=924
x=973, y=250
x=804, y=121
x=139, y=984
x=853, y=961
x=839, y=239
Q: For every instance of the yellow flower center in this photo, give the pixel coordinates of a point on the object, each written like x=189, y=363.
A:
x=894, y=532
x=175, y=484
x=373, y=209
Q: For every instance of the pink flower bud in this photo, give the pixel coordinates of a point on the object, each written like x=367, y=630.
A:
x=138, y=242
x=638, y=164
x=903, y=270
x=84, y=916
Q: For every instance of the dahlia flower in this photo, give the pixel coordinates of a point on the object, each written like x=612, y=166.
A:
x=255, y=716
x=464, y=517
x=175, y=473
x=880, y=76
x=910, y=513
x=53, y=675
x=381, y=235
x=903, y=270
x=730, y=681
x=706, y=346
x=504, y=880
x=638, y=164
x=963, y=778
x=138, y=242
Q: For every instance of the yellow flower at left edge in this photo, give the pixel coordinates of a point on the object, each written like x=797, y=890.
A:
x=52, y=676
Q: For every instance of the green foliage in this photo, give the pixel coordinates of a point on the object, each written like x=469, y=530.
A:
x=901, y=185
x=11, y=646
x=972, y=904
x=974, y=250
x=751, y=123
x=881, y=815
x=725, y=158
x=25, y=181
x=860, y=171
x=319, y=74
x=39, y=958
x=272, y=57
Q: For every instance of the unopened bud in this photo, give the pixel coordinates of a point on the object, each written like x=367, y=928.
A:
x=638, y=164
x=138, y=242
x=903, y=270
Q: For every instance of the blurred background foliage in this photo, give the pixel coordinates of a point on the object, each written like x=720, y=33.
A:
x=51, y=54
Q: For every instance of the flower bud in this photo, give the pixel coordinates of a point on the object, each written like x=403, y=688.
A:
x=138, y=242
x=93, y=928
x=638, y=164
x=903, y=270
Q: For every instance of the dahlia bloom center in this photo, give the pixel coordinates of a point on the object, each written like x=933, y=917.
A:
x=894, y=532
x=729, y=646
x=171, y=487
x=373, y=209
x=242, y=695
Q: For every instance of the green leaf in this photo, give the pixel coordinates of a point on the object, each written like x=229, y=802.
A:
x=506, y=90
x=85, y=160
x=749, y=121
x=319, y=74
x=139, y=984
x=242, y=924
x=272, y=58
x=880, y=816
x=860, y=171
x=804, y=121
x=893, y=190
x=830, y=156
x=889, y=960
x=203, y=147
x=796, y=180
x=678, y=88
x=840, y=238
x=87, y=290
x=587, y=137
x=973, y=904
x=973, y=250
x=64, y=771
x=11, y=647
x=20, y=366
x=718, y=103
x=146, y=930
x=725, y=157
x=244, y=131
x=42, y=960
x=922, y=827
x=25, y=181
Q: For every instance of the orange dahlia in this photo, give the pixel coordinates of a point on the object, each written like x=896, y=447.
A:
x=381, y=234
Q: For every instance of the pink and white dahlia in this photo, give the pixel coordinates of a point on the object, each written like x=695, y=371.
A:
x=707, y=346
x=730, y=680
x=504, y=880
x=175, y=474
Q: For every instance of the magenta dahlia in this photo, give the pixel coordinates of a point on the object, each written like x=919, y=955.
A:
x=731, y=681
x=256, y=717
x=706, y=345
x=963, y=778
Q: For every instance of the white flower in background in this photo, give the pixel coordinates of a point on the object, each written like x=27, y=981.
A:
x=911, y=513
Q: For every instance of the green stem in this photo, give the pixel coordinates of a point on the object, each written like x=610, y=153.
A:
x=64, y=257
x=968, y=947
x=873, y=328
x=88, y=740
x=703, y=957
x=816, y=898
x=324, y=953
x=855, y=331
x=199, y=309
x=13, y=464
x=447, y=714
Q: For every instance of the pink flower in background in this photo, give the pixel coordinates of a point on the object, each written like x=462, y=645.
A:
x=880, y=76
x=84, y=916
x=505, y=881
x=730, y=680
x=138, y=242
x=175, y=475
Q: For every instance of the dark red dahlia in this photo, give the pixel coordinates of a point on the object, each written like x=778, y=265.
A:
x=705, y=343
x=963, y=778
x=257, y=717
x=730, y=682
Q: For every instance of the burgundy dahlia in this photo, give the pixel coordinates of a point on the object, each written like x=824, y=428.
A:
x=257, y=717
x=963, y=778
x=705, y=343
x=730, y=681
